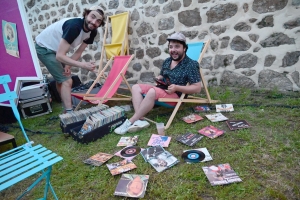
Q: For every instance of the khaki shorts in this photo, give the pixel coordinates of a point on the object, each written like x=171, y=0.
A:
x=48, y=58
x=159, y=93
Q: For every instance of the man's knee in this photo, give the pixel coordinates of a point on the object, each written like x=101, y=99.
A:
x=68, y=83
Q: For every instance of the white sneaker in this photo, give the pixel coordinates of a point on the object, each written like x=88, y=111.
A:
x=123, y=128
x=138, y=125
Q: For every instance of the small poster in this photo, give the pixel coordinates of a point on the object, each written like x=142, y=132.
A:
x=10, y=38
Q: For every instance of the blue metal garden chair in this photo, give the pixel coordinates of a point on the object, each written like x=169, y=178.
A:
x=26, y=160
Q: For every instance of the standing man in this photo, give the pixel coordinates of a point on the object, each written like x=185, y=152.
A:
x=176, y=72
x=53, y=44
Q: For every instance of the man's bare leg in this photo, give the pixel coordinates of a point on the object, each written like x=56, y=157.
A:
x=65, y=93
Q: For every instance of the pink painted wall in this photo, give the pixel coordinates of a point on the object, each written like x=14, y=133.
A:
x=15, y=67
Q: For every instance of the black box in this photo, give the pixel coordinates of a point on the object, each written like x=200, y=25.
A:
x=36, y=106
x=96, y=133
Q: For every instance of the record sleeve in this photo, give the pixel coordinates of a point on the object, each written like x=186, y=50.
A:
x=120, y=167
x=217, y=117
x=192, y=118
x=189, y=139
x=237, y=124
x=98, y=159
x=159, y=140
x=163, y=161
x=224, y=108
x=129, y=152
x=151, y=152
x=211, y=132
x=128, y=141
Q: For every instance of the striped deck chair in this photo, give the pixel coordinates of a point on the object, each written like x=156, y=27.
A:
x=24, y=161
x=111, y=84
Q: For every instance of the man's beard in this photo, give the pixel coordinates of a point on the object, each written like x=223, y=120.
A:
x=180, y=56
x=86, y=26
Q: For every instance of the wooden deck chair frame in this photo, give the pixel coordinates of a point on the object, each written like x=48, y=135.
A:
x=92, y=97
x=24, y=161
x=190, y=99
x=124, y=46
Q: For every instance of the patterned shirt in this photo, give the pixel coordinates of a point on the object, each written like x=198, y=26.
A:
x=186, y=71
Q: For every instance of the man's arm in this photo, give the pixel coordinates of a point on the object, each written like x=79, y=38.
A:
x=188, y=89
x=61, y=56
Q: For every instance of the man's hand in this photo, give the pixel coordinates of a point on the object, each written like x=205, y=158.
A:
x=67, y=71
x=171, y=89
x=89, y=66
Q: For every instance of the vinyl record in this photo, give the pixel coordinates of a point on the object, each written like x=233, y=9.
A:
x=193, y=156
x=130, y=151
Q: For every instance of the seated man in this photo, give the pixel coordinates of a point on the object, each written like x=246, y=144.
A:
x=177, y=70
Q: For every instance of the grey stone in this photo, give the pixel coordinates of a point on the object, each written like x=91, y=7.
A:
x=253, y=37
x=47, y=16
x=217, y=29
x=276, y=39
x=222, y=60
x=267, y=21
x=206, y=63
x=87, y=57
x=52, y=13
x=166, y=23
x=269, y=59
x=152, y=11
x=252, y=20
x=265, y=6
x=78, y=8
x=83, y=2
x=143, y=1
x=292, y=23
x=43, y=26
x=190, y=34
x=144, y=40
x=242, y=26
x=296, y=78
x=202, y=35
x=290, y=58
x=135, y=41
x=162, y=39
x=153, y=52
x=187, y=3
x=97, y=56
x=130, y=31
x=203, y=1
x=41, y=18
x=70, y=7
x=147, y=77
x=161, y=1
x=64, y=2
x=92, y=1
x=45, y=7
x=247, y=60
x=37, y=11
x=271, y=79
x=129, y=3
x=158, y=63
x=139, y=54
x=62, y=11
x=146, y=64
x=34, y=28
x=225, y=42
x=212, y=82
x=135, y=16
x=190, y=18
x=239, y=44
x=30, y=3
x=221, y=12
x=246, y=7
x=236, y=80
x=137, y=67
x=30, y=22
x=172, y=6
x=144, y=29
x=128, y=75
x=256, y=49
x=75, y=70
x=249, y=72
x=214, y=45
x=154, y=35
x=114, y=4
x=296, y=2
x=83, y=77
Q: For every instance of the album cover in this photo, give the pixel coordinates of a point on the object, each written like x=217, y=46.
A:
x=237, y=124
x=217, y=117
x=98, y=159
x=120, y=167
x=159, y=140
x=192, y=118
x=202, y=108
x=163, y=161
x=132, y=185
x=221, y=174
x=151, y=152
x=129, y=152
x=224, y=108
x=128, y=141
x=206, y=153
x=211, y=131
x=189, y=139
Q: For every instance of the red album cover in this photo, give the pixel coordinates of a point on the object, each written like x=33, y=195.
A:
x=192, y=118
x=211, y=131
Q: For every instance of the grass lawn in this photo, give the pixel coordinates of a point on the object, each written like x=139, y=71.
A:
x=265, y=156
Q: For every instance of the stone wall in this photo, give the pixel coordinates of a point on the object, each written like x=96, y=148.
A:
x=254, y=43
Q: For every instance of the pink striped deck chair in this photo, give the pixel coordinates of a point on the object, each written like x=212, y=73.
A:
x=111, y=84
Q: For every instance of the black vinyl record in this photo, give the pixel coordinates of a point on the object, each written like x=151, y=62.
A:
x=130, y=151
x=193, y=156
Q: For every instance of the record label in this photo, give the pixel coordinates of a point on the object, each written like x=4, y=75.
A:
x=193, y=156
x=130, y=151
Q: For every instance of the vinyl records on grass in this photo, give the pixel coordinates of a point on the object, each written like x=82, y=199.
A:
x=193, y=156
x=130, y=151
